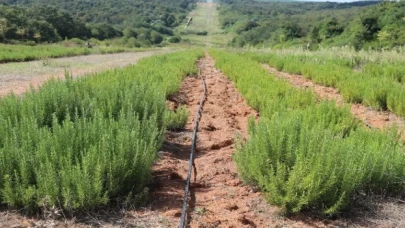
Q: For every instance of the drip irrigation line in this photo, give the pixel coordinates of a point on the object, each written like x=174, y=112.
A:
x=368, y=125
x=193, y=146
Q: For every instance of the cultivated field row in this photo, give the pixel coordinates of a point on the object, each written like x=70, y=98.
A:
x=306, y=154
x=23, y=53
x=86, y=142
x=81, y=143
x=378, y=83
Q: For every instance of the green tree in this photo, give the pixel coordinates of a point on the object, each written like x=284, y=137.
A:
x=45, y=31
x=314, y=35
x=331, y=28
x=371, y=27
x=156, y=38
x=130, y=32
x=3, y=28
x=247, y=26
x=292, y=30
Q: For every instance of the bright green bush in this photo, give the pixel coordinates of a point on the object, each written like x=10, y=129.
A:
x=176, y=119
x=308, y=155
x=85, y=142
x=300, y=164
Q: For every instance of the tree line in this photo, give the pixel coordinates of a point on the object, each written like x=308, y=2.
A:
x=364, y=24
x=146, y=22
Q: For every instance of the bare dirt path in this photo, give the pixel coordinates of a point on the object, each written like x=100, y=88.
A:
x=372, y=117
x=218, y=197
x=17, y=77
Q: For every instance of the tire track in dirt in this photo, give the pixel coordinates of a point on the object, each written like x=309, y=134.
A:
x=374, y=118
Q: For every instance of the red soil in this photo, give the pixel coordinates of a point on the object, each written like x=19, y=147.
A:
x=218, y=196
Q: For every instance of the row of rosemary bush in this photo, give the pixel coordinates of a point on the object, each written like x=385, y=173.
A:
x=305, y=154
x=376, y=84
x=81, y=143
x=22, y=53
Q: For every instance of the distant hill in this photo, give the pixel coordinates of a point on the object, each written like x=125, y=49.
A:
x=360, y=24
x=147, y=20
x=116, y=12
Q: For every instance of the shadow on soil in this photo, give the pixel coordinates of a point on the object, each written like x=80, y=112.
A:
x=367, y=211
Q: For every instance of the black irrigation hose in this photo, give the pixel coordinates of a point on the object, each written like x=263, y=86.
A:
x=193, y=146
x=368, y=125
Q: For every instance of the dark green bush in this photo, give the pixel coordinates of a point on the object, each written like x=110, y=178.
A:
x=174, y=39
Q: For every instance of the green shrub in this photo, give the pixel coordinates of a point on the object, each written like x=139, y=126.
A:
x=372, y=86
x=194, y=32
x=306, y=155
x=77, y=41
x=81, y=143
x=300, y=164
x=30, y=43
x=176, y=119
x=174, y=39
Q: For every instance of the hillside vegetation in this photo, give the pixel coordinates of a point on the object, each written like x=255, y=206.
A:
x=139, y=22
x=280, y=24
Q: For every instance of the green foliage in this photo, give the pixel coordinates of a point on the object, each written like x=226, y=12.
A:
x=156, y=38
x=362, y=25
x=176, y=119
x=246, y=27
x=39, y=24
x=300, y=164
x=103, y=31
x=331, y=28
x=130, y=32
x=20, y=53
x=81, y=143
x=174, y=39
x=291, y=31
x=73, y=47
x=255, y=90
x=52, y=21
x=194, y=32
x=270, y=23
x=304, y=154
x=378, y=85
x=132, y=42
